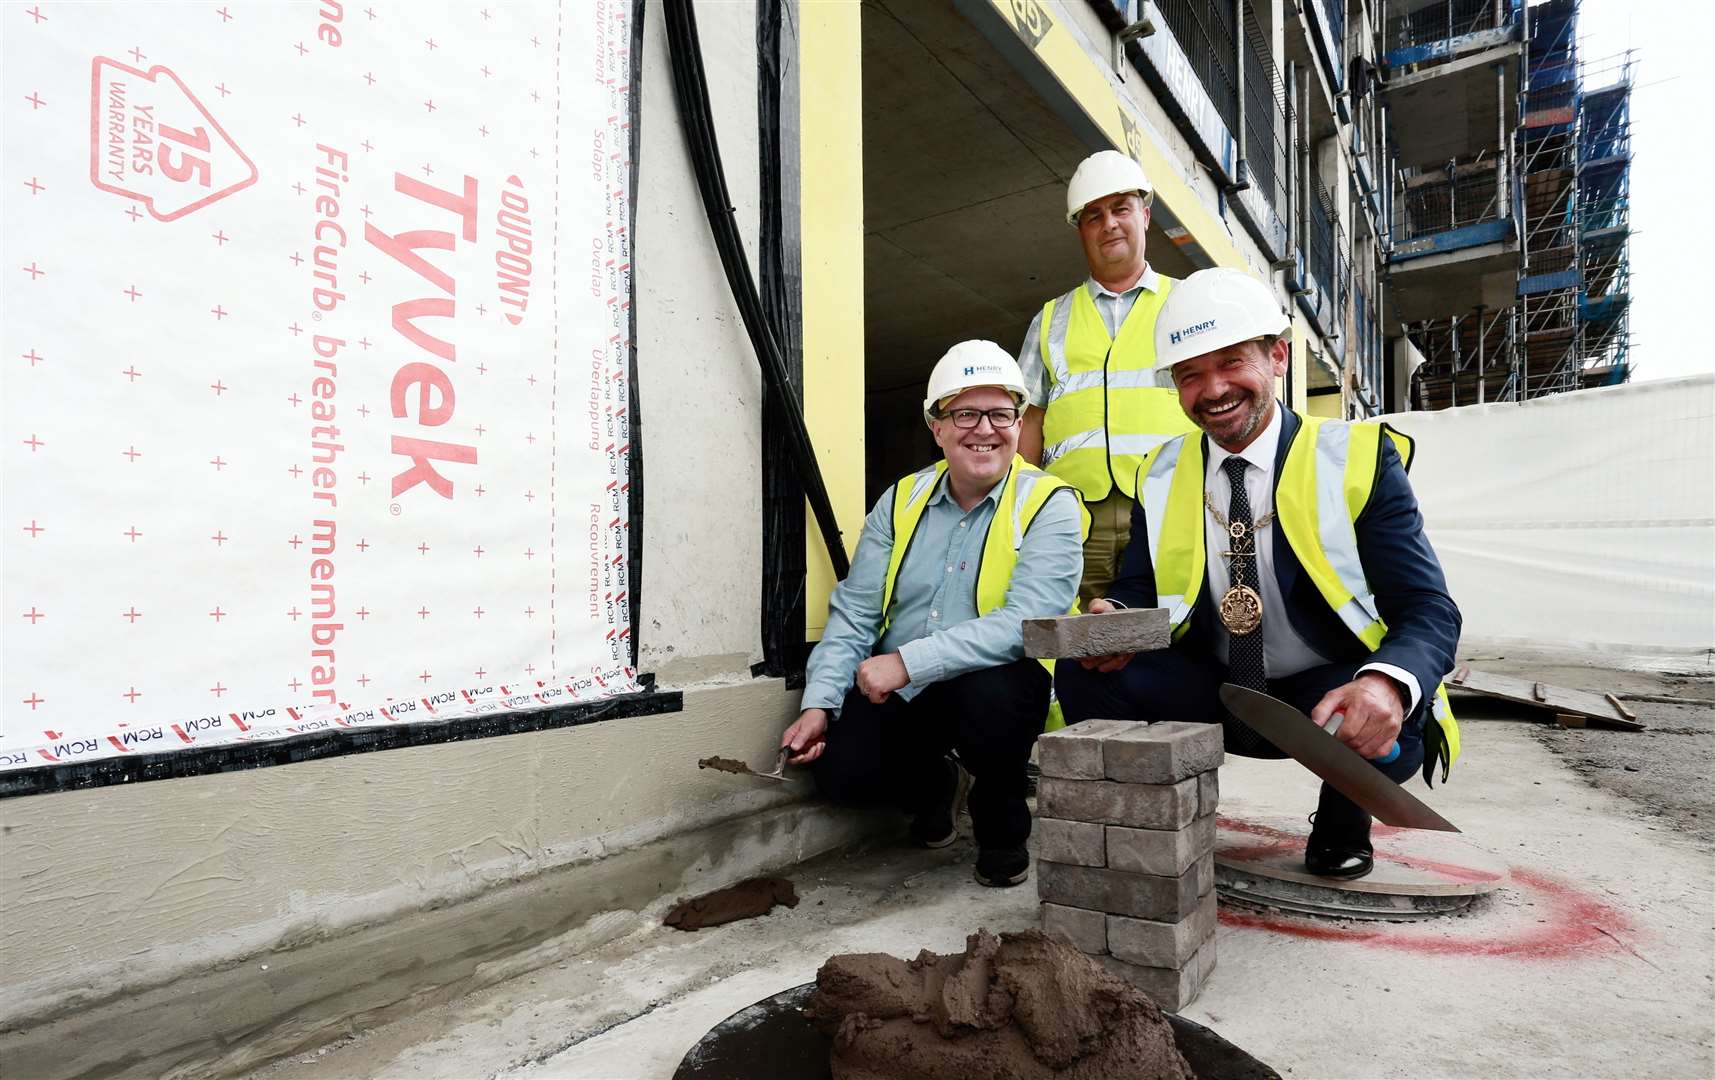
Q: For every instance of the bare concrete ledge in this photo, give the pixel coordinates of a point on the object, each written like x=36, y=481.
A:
x=289, y=1000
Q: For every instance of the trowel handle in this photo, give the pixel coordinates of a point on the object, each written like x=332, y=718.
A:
x=1388, y=758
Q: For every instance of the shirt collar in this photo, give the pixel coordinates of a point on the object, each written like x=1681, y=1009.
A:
x=942, y=492
x=1150, y=281
x=1260, y=453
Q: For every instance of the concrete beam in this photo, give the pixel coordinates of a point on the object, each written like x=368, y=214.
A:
x=1452, y=67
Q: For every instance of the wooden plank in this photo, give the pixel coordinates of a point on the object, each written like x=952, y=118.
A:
x=1621, y=709
x=1669, y=699
x=1569, y=720
x=1561, y=699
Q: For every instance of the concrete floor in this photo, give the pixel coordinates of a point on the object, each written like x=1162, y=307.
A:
x=1598, y=959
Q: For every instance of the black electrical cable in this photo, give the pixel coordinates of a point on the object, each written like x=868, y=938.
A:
x=691, y=89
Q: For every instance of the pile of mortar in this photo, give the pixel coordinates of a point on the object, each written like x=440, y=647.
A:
x=1017, y=1007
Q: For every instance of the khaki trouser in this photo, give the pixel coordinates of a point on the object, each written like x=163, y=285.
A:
x=1110, y=529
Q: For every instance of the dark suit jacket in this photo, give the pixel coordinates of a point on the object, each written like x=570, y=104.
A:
x=1411, y=592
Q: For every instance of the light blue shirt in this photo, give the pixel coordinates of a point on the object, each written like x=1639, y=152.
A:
x=935, y=627
x=1113, y=307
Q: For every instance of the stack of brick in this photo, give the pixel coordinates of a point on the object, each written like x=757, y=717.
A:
x=1126, y=863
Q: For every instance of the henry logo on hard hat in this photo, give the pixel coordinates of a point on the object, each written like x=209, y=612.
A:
x=1177, y=336
x=1222, y=298
x=970, y=364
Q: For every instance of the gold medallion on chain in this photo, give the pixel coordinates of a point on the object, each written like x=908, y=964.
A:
x=1241, y=607
x=1241, y=610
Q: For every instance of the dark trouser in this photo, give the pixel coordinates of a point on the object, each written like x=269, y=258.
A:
x=893, y=754
x=1178, y=684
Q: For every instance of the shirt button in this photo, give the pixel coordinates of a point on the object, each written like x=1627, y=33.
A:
x=949, y=568
x=962, y=524
x=934, y=614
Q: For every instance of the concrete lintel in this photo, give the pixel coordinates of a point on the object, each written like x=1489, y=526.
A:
x=1445, y=283
x=1439, y=259
x=1452, y=67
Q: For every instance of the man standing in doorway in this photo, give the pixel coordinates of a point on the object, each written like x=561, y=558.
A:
x=924, y=648
x=1095, y=408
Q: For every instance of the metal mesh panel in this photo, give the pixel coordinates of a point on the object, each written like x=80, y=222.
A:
x=1431, y=203
x=1438, y=22
x=1467, y=358
x=1204, y=30
x=1321, y=254
x=1265, y=118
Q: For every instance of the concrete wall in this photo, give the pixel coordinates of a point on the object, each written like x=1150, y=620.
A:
x=113, y=890
x=700, y=384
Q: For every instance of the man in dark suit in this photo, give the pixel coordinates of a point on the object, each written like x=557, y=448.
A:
x=1265, y=584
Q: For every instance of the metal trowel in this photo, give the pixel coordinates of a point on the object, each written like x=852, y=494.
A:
x=1326, y=756
x=739, y=768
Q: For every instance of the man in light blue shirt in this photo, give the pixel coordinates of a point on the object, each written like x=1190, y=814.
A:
x=923, y=652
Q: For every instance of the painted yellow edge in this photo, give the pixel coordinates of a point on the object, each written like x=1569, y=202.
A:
x=830, y=139
x=1088, y=84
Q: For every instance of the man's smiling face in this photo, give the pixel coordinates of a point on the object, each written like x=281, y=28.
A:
x=978, y=457
x=1230, y=392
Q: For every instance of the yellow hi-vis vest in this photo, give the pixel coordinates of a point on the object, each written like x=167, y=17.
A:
x=1027, y=490
x=1325, y=483
x=1104, y=411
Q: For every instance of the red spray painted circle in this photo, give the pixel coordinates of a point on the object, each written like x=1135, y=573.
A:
x=1570, y=919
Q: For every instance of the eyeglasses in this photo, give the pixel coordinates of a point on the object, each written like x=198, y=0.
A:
x=999, y=419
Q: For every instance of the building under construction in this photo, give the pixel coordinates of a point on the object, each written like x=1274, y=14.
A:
x=1509, y=253
x=689, y=366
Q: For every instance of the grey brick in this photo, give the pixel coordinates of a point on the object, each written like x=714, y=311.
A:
x=1155, y=943
x=1075, y=752
x=1142, y=896
x=1141, y=806
x=1165, y=852
x=1077, y=843
x=1084, y=930
x=1203, y=870
x=1208, y=792
x=1163, y=753
x=1128, y=630
x=1171, y=988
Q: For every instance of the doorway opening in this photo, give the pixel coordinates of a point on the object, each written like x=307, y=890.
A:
x=964, y=171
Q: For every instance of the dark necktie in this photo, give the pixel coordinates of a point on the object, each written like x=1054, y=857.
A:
x=1244, y=651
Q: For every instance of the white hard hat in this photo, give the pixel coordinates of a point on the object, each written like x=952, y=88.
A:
x=1211, y=310
x=1104, y=173
x=969, y=364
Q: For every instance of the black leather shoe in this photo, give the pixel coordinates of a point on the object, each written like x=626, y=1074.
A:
x=938, y=824
x=1001, y=867
x=1339, y=844
x=1342, y=861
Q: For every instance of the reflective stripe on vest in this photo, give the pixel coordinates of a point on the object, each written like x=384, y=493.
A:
x=1027, y=490
x=1104, y=411
x=1325, y=483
